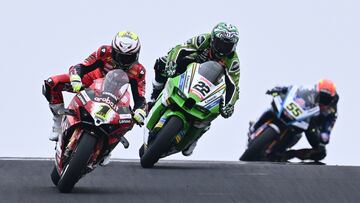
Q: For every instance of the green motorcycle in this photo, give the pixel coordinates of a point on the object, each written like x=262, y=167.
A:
x=183, y=111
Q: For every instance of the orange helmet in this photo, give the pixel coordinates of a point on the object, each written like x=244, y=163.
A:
x=326, y=90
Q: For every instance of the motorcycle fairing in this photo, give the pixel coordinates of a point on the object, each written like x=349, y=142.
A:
x=298, y=113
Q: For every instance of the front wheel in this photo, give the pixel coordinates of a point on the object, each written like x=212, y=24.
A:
x=78, y=163
x=55, y=177
x=141, y=150
x=162, y=142
x=259, y=145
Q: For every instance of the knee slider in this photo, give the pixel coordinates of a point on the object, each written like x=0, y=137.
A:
x=46, y=88
x=321, y=154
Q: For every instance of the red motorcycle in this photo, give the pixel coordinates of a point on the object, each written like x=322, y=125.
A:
x=94, y=123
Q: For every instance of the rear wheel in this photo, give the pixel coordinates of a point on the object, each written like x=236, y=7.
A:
x=77, y=164
x=162, y=142
x=259, y=145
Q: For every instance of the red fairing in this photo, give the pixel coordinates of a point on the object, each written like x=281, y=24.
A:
x=117, y=120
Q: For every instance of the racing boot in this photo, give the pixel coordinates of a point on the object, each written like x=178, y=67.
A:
x=106, y=160
x=56, y=128
x=189, y=150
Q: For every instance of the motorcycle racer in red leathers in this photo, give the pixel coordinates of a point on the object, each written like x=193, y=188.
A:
x=123, y=54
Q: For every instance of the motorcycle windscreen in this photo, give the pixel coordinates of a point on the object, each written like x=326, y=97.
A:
x=212, y=71
x=299, y=105
x=209, y=75
x=115, y=84
x=304, y=98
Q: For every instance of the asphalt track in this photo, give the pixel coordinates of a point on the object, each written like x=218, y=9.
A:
x=175, y=181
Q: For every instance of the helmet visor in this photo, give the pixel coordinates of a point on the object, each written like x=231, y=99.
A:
x=325, y=98
x=222, y=47
x=124, y=59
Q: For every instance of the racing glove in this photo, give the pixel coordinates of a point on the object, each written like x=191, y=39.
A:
x=170, y=68
x=76, y=83
x=226, y=110
x=139, y=116
x=276, y=91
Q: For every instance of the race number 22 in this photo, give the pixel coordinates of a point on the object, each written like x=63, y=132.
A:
x=202, y=88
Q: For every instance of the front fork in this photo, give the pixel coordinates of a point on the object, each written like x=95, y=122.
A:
x=71, y=145
x=268, y=124
x=280, y=143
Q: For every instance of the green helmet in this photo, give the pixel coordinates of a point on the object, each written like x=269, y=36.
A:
x=224, y=38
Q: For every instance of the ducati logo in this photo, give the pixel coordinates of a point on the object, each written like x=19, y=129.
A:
x=107, y=101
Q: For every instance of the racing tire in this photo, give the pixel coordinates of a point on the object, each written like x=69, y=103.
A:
x=141, y=150
x=162, y=142
x=77, y=164
x=258, y=145
x=55, y=177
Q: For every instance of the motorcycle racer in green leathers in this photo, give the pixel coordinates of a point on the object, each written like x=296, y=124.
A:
x=220, y=46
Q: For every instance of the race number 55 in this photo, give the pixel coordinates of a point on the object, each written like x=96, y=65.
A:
x=294, y=109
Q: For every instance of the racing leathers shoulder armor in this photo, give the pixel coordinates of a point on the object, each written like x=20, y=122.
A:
x=197, y=49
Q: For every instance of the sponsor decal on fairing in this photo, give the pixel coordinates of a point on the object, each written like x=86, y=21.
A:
x=107, y=101
x=84, y=94
x=124, y=121
x=81, y=98
x=125, y=116
x=102, y=113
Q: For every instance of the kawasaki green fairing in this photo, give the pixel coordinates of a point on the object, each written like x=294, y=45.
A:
x=194, y=97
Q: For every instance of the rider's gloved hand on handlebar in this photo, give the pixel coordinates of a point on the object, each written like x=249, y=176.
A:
x=277, y=90
x=76, y=83
x=226, y=110
x=170, y=68
x=139, y=116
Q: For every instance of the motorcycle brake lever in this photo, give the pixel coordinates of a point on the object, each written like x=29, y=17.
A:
x=69, y=112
